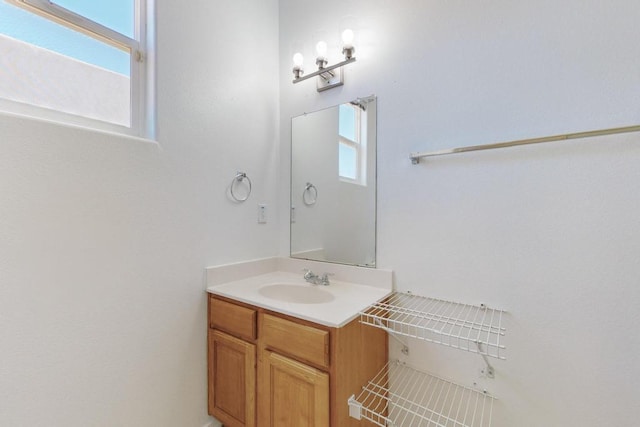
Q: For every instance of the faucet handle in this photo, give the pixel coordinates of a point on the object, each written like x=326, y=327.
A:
x=325, y=278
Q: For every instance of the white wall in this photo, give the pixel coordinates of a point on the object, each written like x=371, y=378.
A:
x=104, y=239
x=547, y=232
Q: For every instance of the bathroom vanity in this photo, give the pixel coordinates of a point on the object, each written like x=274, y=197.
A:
x=271, y=365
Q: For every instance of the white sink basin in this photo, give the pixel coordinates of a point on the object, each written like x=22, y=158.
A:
x=297, y=294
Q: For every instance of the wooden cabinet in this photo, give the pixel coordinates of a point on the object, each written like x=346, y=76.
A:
x=232, y=379
x=232, y=318
x=291, y=393
x=306, y=343
x=271, y=370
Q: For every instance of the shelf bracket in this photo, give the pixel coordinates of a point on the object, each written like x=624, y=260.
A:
x=392, y=334
x=489, y=371
x=355, y=408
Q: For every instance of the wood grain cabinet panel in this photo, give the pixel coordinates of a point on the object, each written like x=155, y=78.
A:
x=291, y=394
x=301, y=341
x=235, y=319
x=232, y=379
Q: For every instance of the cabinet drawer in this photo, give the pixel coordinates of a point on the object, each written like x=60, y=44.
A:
x=305, y=342
x=234, y=319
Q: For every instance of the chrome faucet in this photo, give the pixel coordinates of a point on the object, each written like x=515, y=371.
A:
x=310, y=276
x=324, y=280
x=314, y=279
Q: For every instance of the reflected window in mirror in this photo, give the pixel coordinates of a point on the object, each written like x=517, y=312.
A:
x=352, y=150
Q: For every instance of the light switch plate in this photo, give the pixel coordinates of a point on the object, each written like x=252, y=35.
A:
x=262, y=213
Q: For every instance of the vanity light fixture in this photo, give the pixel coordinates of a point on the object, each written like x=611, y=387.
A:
x=298, y=60
x=328, y=76
x=321, y=50
x=347, y=38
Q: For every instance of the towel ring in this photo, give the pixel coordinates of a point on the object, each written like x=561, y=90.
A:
x=240, y=176
x=312, y=191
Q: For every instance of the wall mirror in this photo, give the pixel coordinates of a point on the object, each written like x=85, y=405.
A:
x=333, y=184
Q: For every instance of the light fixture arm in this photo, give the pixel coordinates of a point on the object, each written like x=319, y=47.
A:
x=325, y=69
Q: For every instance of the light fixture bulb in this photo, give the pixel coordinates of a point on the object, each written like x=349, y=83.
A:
x=347, y=37
x=321, y=49
x=347, y=49
x=298, y=59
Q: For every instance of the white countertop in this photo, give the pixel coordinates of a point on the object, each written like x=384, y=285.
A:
x=348, y=298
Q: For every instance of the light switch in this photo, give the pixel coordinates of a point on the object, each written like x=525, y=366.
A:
x=262, y=213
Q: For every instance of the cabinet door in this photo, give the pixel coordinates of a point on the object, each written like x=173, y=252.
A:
x=291, y=394
x=232, y=380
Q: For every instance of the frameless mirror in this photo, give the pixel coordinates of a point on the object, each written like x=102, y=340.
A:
x=333, y=184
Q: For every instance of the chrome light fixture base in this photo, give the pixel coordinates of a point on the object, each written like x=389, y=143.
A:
x=330, y=79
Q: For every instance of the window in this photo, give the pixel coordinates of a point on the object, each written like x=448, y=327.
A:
x=351, y=147
x=82, y=62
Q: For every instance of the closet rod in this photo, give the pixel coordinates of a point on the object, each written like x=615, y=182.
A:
x=415, y=157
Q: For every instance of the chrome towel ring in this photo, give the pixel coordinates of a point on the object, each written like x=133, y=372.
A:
x=240, y=177
x=310, y=194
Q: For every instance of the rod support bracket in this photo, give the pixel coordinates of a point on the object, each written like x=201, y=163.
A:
x=488, y=371
x=394, y=335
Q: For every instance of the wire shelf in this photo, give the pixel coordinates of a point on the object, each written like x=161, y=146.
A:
x=477, y=329
x=400, y=396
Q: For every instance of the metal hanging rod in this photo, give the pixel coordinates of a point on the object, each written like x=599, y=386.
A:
x=415, y=157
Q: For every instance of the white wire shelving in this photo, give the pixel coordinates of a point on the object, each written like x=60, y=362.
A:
x=402, y=396
x=477, y=329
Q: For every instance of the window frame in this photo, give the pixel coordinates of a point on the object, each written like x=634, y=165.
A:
x=360, y=150
x=141, y=101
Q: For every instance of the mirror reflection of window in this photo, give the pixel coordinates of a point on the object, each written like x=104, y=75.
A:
x=351, y=149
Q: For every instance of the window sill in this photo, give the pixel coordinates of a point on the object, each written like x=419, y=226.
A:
x=71, y=126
